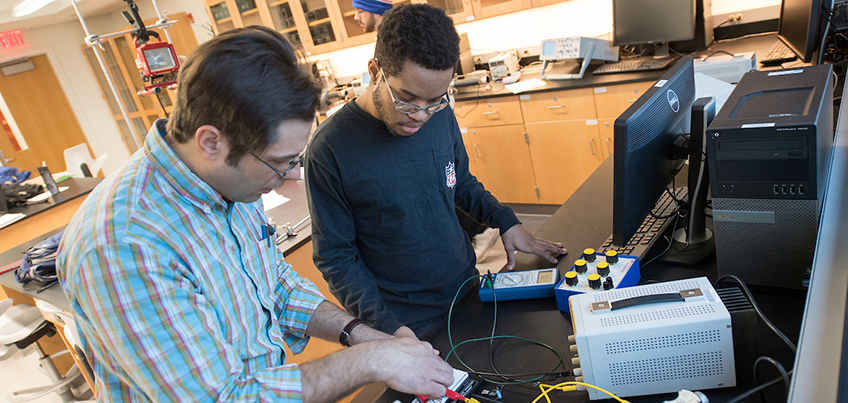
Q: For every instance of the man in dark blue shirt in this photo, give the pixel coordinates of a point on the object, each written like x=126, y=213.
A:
x=384, y=175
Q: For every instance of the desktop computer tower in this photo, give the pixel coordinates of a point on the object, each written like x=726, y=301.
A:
x=768, y=152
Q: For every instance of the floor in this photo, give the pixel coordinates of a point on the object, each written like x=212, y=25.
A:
x=21, y=370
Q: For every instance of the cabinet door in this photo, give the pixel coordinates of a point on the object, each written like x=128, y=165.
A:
x=564, y=155
x=554, y=106
x=491, y=8
x=606, y=130
x=283, y=19
x=459, y=10
x=323, y=33
x=488, y=112
x=468, y=141
x=503, y=163
x=612, y=100
x=220, y=14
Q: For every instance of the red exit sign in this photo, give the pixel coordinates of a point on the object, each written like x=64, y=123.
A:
x=12, y=40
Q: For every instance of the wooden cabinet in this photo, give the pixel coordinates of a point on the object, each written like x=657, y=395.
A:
x=564, y=155
x=605, y=128
x=540, y=147
x=502, y=160
x=488, y=112
x=558, y=105
x=612, y=100
x=491, y=8
x=459, y=10
x=119, y=57
x=326, y=25
x=493, y=133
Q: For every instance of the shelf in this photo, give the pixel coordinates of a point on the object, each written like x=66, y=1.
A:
x=319, y=22
x=277, y=3
x=223, y=20
x=287, y=30
x=351, y=13
x=249, y=12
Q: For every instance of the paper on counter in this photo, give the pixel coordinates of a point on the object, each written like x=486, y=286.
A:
x=527, y=85
x=273, y=199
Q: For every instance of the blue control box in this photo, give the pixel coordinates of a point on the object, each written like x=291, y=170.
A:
x=623, y=273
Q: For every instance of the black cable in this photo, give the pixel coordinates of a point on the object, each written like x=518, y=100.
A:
x=757, y=309
x=718, y=51
x=642, y=267
x=476, y=102
x=780, y=369
x=750, y=392
x=162, y=105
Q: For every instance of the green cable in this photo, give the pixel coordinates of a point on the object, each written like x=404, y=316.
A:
x=453, y=347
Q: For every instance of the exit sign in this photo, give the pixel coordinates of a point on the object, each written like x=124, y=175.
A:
x=12, y=40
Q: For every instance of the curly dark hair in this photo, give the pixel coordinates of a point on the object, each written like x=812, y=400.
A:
x=420, y=33
x=244, y=82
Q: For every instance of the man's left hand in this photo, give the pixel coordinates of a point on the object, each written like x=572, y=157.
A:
x=518, y=238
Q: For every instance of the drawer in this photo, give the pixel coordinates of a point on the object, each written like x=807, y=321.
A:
x=612, y=100
x=556, y=106
x=488, y=112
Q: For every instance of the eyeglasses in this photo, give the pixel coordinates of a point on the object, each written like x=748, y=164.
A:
x=292, y=164
x=408, y=108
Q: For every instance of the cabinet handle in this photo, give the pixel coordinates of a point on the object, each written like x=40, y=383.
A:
x=476, y=153
x=490, y=113
x=631, y=100
x=556, y=106
x=592, y=146
x=609, y=148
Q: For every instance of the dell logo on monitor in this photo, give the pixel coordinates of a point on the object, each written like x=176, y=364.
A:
x=673, y=101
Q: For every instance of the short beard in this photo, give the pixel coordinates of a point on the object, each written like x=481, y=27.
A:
x=371, y=24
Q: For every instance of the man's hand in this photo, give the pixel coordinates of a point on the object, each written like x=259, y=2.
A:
x=410, y=366
x=518, y=238
x=404, y=331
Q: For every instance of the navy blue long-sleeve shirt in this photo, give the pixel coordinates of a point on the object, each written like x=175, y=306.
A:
x=384, y=230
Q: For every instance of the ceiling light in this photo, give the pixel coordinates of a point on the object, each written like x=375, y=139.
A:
x=28, y=7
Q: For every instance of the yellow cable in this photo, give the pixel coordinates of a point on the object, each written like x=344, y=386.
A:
x=561, y=386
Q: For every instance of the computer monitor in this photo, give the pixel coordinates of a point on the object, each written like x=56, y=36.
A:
x=645, y=161
x=654, y=22
x=802, y=26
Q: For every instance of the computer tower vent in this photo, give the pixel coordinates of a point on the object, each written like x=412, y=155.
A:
x=657, y=315
x=783, y=251
x=706, y=364
x=656, y=343
x=650, y=289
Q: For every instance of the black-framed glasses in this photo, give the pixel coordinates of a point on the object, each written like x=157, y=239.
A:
x=292, y=164
x=408, y=108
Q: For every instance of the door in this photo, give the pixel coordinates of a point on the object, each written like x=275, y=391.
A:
x=43, y=115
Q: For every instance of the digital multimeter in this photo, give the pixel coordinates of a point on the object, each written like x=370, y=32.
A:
x=514, y=285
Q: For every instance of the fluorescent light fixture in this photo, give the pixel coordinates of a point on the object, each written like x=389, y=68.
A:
x=28, y=7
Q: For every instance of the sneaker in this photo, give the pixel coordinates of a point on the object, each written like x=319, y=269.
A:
x=484, y=241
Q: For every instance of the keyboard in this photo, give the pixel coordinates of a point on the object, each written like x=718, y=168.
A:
x=651, y=229
x=779, y=54
x=628, y=66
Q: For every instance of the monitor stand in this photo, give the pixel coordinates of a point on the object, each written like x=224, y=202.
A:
x=694, y=242
x=660, y=50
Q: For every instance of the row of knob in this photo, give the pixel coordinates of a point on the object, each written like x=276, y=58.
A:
x=603, y=269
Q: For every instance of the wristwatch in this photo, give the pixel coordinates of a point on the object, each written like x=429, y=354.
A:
x=344, y=336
